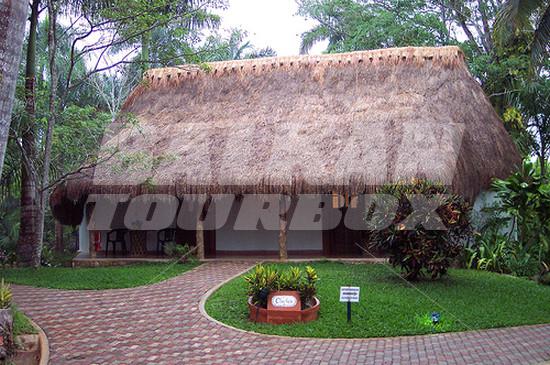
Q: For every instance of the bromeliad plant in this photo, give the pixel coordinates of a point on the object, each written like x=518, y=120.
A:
x=264, y=279
x=414, y=248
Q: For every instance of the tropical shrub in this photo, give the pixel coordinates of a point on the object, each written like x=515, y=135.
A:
x=496, y=252
x=488, y=253
x=264, y=279
x=413, y=247
x=514, y=239
x=525, y=197
x=5, y=295
x=181, y=252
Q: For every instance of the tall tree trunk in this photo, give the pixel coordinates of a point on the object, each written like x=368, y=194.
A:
x=13, y=15
x=28, y=248
x=52, y=47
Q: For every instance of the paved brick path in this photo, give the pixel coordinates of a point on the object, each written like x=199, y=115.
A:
x=162, y=324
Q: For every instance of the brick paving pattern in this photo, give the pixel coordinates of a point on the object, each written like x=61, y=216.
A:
x=162, y=324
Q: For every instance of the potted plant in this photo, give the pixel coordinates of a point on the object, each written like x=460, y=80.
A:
x=278, y=297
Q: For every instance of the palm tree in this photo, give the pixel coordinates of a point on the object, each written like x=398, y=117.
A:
x=517, y=17
x=12, y=28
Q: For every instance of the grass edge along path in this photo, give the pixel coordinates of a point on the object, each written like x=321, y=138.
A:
x=96, y=278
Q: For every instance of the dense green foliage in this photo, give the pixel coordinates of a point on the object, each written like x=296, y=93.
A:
x=95, y=277
x=515, y=238
x=351, y=25
x=390, y=306
x=418, y=240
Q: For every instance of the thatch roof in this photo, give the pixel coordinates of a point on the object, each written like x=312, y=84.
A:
x=332, y=123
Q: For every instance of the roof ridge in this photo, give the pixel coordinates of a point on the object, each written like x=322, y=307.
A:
x=445, y=54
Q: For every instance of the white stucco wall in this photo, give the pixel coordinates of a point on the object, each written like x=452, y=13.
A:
x=228, y=239
x=485, y=199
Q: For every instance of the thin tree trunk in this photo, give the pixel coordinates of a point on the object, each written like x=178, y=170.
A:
x=13, y=15
x=52, y=49
x=468, y=32
x=145, y=43
x=283, y=228
x=487, y=33
x=28, y=248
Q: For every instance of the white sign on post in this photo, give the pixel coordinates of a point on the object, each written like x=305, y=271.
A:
x=349, y=294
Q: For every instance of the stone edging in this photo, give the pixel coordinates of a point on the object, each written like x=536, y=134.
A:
x=211, y=291
x=44, y=344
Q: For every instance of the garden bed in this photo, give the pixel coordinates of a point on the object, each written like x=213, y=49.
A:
x=389, y=306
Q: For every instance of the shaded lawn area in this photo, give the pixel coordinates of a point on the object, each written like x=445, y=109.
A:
x=96, y=277
x=467, y=300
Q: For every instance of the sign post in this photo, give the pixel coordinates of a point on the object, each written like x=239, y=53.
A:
x=349, y=294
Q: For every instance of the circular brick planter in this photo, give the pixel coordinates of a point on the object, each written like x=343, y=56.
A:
x=264, y=315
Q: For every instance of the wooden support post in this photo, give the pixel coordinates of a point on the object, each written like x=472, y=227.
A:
x=283, y=228
x=200, y=238
x=91, y=243
x=59, y=244
x=200, y=228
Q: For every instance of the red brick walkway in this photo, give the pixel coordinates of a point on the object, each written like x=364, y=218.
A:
x=162, y=324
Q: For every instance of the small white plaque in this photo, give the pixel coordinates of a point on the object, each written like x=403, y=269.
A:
x=283, y=301
x=349, y=294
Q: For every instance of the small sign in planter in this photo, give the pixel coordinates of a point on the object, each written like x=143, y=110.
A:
x=283, y=307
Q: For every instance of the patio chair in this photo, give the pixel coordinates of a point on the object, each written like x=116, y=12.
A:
x=165, y=236
x=116, y=236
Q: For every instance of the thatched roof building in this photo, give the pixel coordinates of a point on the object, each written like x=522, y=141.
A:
x=332, y=123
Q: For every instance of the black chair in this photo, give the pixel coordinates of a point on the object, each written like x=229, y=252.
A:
x=116, y=236
x=165, y=236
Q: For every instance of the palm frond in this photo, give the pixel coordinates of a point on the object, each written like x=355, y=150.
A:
x=309, y=38
x=514, y=15
x=541, y=41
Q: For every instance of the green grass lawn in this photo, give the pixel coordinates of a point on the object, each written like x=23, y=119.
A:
x=467, y=300
x=95, y=278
